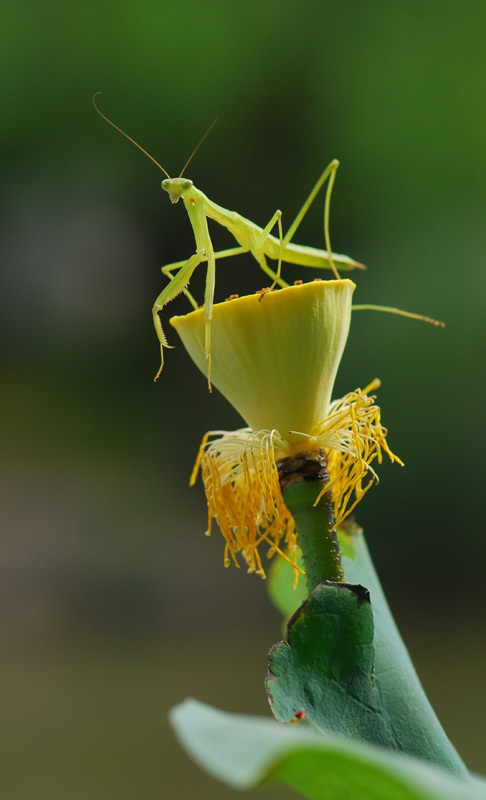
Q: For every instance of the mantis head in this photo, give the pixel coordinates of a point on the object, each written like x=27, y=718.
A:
x=176, y=187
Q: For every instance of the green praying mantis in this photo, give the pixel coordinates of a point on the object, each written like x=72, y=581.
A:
x=251, y=238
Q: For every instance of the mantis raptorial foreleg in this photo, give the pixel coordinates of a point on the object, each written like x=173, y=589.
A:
x=169, y=268
x=169, y=272
x=175, y=287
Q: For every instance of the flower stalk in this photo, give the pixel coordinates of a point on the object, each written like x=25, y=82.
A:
x=302, y=482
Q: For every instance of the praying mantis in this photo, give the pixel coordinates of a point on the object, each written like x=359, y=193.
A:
x=250, y=238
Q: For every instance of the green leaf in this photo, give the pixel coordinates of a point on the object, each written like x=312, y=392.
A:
x=325, y=668
x=403, y=702
x=244, y=751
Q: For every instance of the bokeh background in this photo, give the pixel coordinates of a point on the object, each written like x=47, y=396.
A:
x=114, y=605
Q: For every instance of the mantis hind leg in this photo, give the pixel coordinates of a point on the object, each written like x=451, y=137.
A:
x=260, y=257
x=329, y=172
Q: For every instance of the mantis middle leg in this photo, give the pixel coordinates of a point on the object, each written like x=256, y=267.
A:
x=177, y=265
x=259, y=251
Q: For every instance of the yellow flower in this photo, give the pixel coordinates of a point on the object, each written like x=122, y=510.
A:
x=275, y=357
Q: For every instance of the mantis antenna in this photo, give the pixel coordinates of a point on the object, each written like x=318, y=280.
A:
x=201, y=140
x=133, y=140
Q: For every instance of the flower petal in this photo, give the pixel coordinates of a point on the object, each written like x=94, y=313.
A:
x=274, y=356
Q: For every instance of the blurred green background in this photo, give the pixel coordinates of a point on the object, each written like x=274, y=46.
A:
x=114, y=604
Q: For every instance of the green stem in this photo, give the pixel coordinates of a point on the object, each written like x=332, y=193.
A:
x=301, y=481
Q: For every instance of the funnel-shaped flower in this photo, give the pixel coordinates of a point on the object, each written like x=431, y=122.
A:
x=275, y=357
